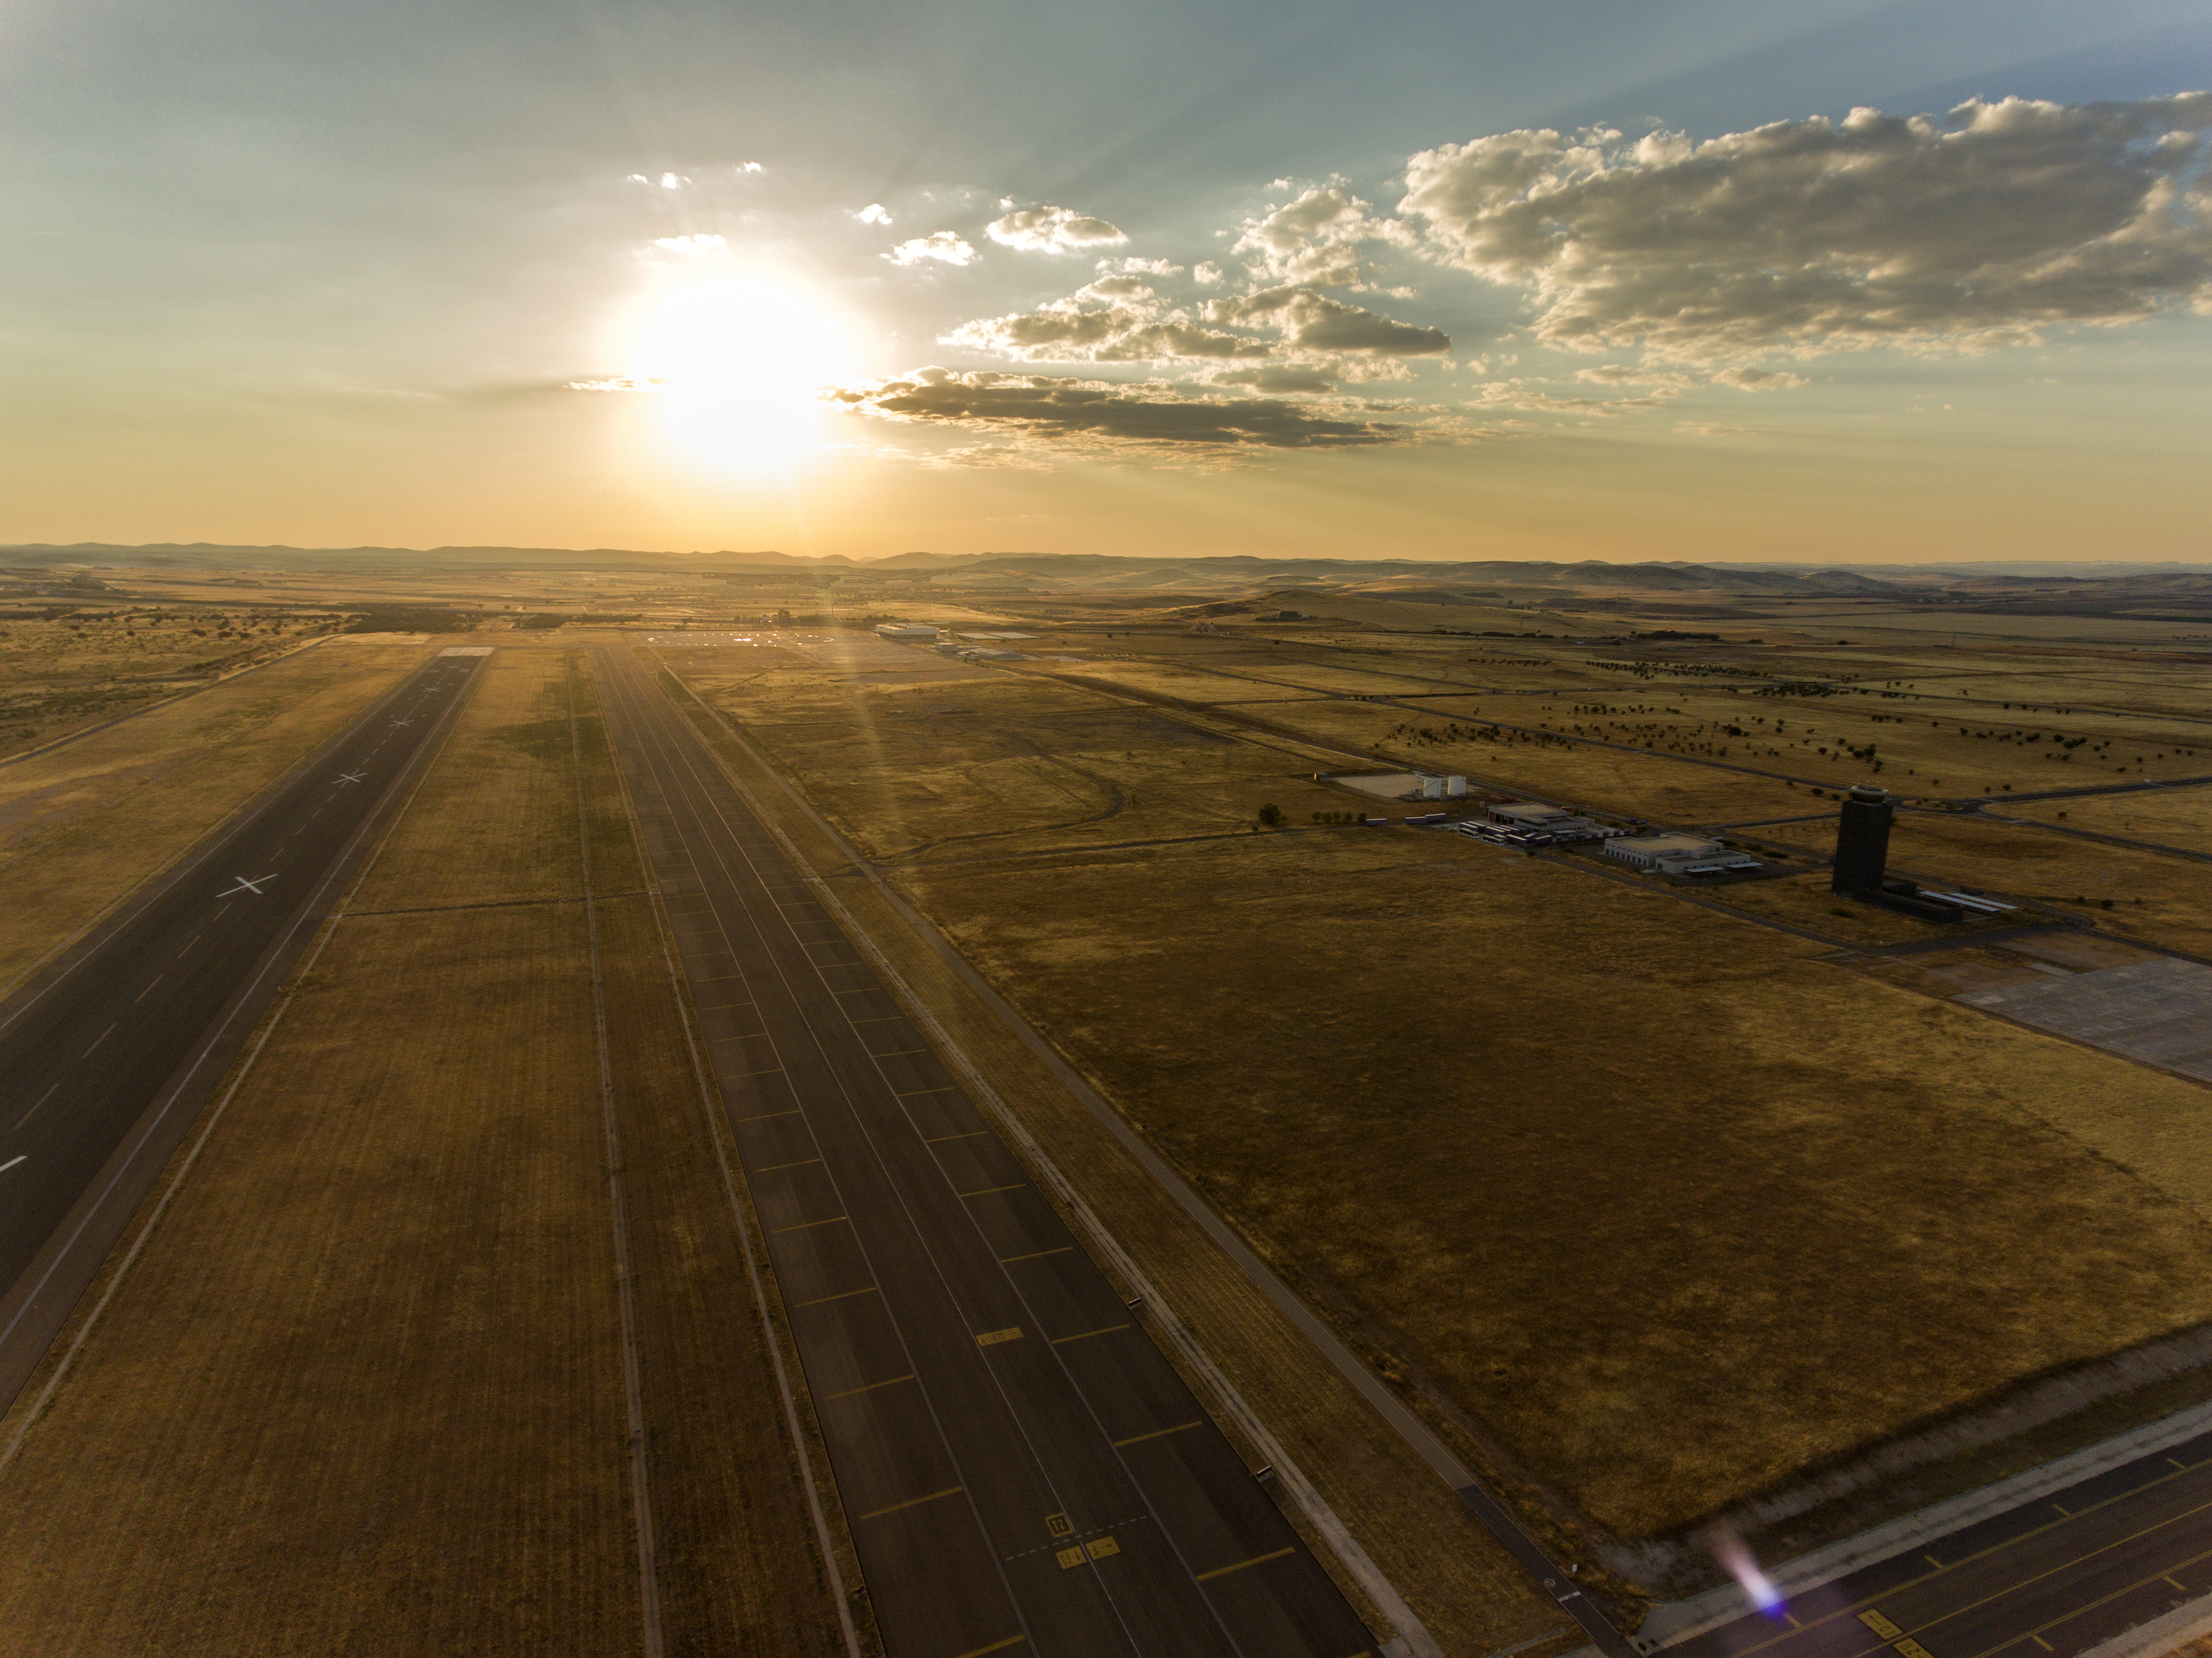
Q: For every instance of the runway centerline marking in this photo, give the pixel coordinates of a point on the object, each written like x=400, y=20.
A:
x=148, y=991
x=101, y=1038
x=12, y=1162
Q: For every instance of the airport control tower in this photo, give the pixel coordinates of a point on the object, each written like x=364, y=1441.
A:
x=1862, y=841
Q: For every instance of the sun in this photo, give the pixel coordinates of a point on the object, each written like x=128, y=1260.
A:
x=737, y=360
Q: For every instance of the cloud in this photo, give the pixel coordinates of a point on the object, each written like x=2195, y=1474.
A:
x=1114, y=333
x=1976, y=230
x=874, y=213
x=1052, y=230
x=1758, y=379
x=1614, y=374
x=1064, y=409
x=1277, y=377
x=750, y=167
x=1315, y=238
x=1136, y=267
x=689, y=246
x=942, y=245
x=1314, y=322
x=1206, y=273
x=1518, y=394
x=665, y=181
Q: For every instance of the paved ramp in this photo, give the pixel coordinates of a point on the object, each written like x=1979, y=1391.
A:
x=2159, y=1010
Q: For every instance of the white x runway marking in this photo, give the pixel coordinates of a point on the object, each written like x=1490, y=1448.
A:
x=245, y=885
x=345, y=778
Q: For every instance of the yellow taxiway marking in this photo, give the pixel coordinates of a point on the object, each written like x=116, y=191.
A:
x=775, y=1168
x=1084, y=1335
x=869, y=1386
x=971, y=1134
x=1099, y=1547
x=995, y=1645
x=765, y=1115
x=1879, y=1624
x=900, y=1054
x=1070, y=1558
x=1035, y=1254
x=912, y=1502
x=2040, y=1642
x=845, y=1295
x=2177, y=1586
x=1157, y=1433
x=2062, y=1511
x=1909, y=1648
x=1060, y=1525
x=1933, y=1561
x=804, y=1225
x=986, y=1192
x=2184, y=1466
x=1256, y=1560
x=993, y=1338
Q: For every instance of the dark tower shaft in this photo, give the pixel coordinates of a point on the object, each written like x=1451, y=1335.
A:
x=1862, y=841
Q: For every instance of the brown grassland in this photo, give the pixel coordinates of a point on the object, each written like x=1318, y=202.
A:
x=363, y=1392
x=84, y=823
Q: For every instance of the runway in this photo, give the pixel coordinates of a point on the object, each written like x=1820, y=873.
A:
x=1021, y=1469
x=2050, y=1579
x=108, y=1056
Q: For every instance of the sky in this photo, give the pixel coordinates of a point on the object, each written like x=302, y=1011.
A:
x=1692, y=279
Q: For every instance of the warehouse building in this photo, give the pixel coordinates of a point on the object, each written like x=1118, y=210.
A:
x=1678, y=854
x=908, y=632
x=1557, y=822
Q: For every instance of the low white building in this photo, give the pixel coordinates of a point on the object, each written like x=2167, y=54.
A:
x=1555, y=821
x=1678, y=854
x=908, y=632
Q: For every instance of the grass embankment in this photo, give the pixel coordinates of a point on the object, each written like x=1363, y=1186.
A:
x=1471, y=1594
x=363, y=1391
x=82, y=825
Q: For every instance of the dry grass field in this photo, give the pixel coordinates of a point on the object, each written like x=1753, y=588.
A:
x=83, y=824
x=1577, y=1162
x=65, y=667
x=363, y=1392
x=1571, y=1160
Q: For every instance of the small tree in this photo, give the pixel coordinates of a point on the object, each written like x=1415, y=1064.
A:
x=1272, y=815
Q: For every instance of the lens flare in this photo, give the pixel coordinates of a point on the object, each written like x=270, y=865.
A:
x=1732, y=1554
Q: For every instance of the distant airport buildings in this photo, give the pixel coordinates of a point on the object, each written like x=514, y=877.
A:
x=1678, y=854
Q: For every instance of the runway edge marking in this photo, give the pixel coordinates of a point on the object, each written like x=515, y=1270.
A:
x=1231, y=1403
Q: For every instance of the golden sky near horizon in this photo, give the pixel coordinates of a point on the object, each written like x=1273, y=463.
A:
x=1861, y=282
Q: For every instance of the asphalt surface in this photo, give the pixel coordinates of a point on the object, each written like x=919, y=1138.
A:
x=1021, y=1469
x=108, y=1056
x=2050, y=1579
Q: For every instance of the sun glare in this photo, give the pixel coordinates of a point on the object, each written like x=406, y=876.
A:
x=739, y=360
